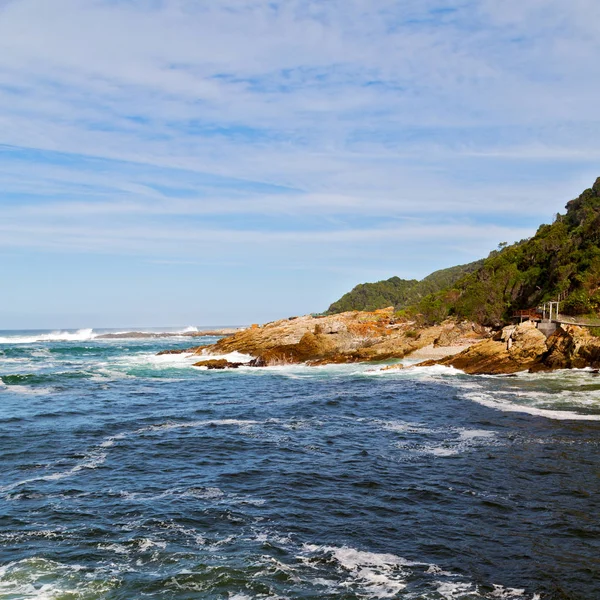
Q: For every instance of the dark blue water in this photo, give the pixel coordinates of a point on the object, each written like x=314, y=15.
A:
x=125, y=475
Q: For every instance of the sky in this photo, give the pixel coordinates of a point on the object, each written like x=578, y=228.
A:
x=195, y=162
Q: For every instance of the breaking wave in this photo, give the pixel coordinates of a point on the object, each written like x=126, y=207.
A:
x=81, y=335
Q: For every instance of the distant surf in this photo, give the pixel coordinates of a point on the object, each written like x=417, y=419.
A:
x=83, y=335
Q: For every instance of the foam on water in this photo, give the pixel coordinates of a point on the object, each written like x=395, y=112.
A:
x=43, y=579
x=186, y=459
x=56, y=336
x=516, y=404
x=412, y=372
x=384, y=575
x=26, y=390
x=233, y=357
x=90, y=461
x=375, y=575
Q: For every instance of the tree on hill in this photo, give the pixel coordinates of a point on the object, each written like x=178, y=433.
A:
x=371, y=296
x=397, y=292
x=560, y=260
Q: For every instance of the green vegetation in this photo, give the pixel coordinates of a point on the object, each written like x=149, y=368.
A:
x=562, y=261
x=371, y=296
x=397, y=292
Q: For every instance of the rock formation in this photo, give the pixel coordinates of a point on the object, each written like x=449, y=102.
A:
x=219, y=363
x=524, y=347
x=354, y=336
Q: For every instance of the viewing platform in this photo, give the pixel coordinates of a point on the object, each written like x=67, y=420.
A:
x=548, y=319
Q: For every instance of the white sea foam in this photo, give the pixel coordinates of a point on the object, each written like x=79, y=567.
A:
x=404, y=427
x=376, y=575
x=25, y=390
x=474, y=434
x=91, y=461
x=450, y=590
x=190, y=329
x=146, y=543
x=412, y=372
x=116, y=548
x=193, y=424
x=233, y=357
x=42, y=579
x=496, y=401
x=81, y=335
x=110, y=441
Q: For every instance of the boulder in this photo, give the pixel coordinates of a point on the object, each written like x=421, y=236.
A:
x=527, y=343
x=570, y=347
x=515, y=348
x=219, y=363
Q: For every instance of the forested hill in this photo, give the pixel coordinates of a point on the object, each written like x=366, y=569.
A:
x=561, y=261
x=399, y=292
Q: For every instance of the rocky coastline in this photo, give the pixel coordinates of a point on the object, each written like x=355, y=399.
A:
x=350, y=337
x=523, y=347
x=378, y=336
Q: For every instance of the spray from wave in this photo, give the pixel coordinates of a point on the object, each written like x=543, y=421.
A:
x=81, y=335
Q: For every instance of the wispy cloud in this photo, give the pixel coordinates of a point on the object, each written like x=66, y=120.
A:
x=321, y=124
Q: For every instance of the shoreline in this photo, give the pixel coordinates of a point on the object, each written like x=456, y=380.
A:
x=432, y=352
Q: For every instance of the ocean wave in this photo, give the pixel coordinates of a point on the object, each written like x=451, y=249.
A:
x=91, y=461
x=80, y=335
x=233, y=357
x=413, y=372
x=27, y=379
x=374, y=574
x=381, y=575
x=45, y=579
x=505, y=405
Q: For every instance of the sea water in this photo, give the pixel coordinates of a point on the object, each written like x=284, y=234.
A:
x=128, y=475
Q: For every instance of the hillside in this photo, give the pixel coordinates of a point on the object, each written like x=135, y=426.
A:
x=561, y=260
x=397, y=292
x=373, y=296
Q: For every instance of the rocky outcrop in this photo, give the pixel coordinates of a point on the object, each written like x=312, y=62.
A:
x=571, y=347
x=180, y=351
x=218, y=364
x=524, y=347
x=354, y=336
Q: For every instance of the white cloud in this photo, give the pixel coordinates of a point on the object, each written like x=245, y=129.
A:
x=383, y=110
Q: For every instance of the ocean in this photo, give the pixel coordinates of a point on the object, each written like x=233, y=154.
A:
x=127, y=475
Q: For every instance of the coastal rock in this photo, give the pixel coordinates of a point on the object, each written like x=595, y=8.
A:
x=526, y=344
x=524, y=347
x=515, y=348
x=570, y=347
x=459, y=334
x=488, y=357
x=354, y=336
x=311, y=347
x=180, y=351
x=220, y=363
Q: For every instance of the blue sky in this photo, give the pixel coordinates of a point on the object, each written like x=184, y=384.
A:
x=178, y=162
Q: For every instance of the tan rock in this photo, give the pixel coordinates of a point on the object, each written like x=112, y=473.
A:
x=515, y=349
x=347, y=337
x=220, y=363
x=571, y=347
x=528, y=343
